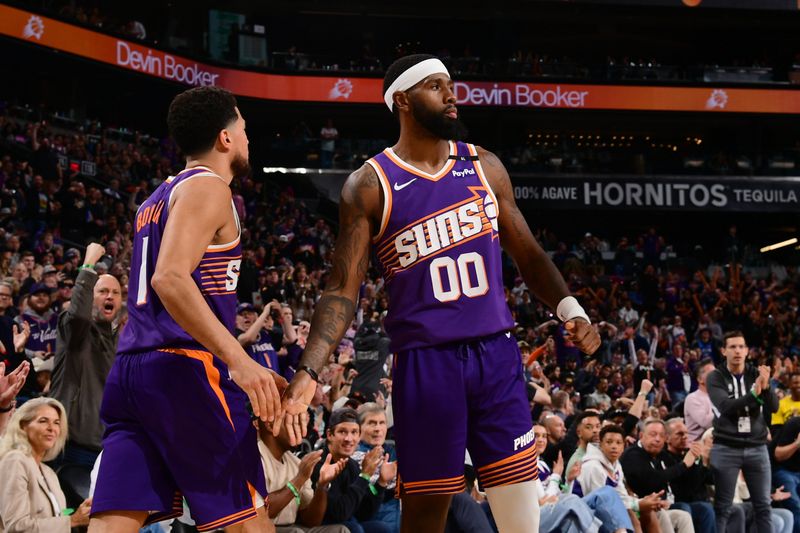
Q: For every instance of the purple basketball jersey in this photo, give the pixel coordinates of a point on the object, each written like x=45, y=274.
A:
x=150, y=326
x=439, y=251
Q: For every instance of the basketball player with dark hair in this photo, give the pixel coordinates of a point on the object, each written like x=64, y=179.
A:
x=436, y=211
x=175, y=402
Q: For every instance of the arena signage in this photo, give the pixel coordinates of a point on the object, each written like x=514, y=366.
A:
x=668, y=193
x=57, y=35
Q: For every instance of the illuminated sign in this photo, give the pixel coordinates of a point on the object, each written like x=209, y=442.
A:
x=111, y=50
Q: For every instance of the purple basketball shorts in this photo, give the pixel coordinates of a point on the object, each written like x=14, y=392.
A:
x=177, y=427
x=462, y=396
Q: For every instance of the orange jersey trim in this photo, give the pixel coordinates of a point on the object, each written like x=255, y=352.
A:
x=508, y=460
x=482, y=175
x=387, y=187
x=448, y=166
x=445, y=481
x=235, y=518
x=223, y=247
x=212, y=374
x=226, y=258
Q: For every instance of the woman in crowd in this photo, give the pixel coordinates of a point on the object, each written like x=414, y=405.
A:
x=31, y=499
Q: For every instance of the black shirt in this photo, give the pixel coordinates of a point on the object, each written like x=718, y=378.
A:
x=647, y=474
x=349, y=494
x=788, y=435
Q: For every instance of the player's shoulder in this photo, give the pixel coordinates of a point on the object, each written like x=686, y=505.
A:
x=207, y=185
x=361, y=185
x=365, y=176
x=488, y=157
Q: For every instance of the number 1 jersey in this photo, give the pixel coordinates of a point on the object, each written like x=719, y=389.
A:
x=438, y=249
x=150, y=327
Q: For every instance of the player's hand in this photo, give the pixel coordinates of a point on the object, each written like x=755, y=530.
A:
x=370, y=462
x=294, y=407
x=307, y=464
x=93, y=253
x=583, y=335
x=388, y=471
x=329, y=470
x=259, y=385
x=11, y=384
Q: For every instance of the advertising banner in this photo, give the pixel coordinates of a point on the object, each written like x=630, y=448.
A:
x=72, y=39
x=763, y=195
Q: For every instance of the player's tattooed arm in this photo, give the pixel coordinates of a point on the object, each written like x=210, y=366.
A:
x=536, y=267
x=359, y=214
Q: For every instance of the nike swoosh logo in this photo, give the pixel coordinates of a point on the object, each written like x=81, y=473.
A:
x=399, y=187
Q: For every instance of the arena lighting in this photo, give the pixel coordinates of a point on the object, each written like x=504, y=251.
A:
x=777, y=245
x=303, y=170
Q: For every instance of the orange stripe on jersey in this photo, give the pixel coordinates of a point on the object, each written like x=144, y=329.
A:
x=529, y=475
x=213, y=284
x=508, y=460
x=387, y=198
x=220, y=258
x=223, y=247
x=215, y=292
x=432, y=487
x=216, y=524
x=482, y=175
x=205, y=270
x=212, y=374
x=252, y=493
x=215, y=264
x=443, y=481
x=448, y=166
x=524, y=465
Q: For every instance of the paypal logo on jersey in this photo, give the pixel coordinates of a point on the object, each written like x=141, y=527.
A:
x=462, y=173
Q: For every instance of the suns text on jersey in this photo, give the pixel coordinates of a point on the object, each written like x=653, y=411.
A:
x=445, y=230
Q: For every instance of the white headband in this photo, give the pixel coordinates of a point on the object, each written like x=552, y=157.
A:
x=413, y=76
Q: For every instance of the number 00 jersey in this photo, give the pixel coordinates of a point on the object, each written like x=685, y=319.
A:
x=150, y=326
x=439, y=251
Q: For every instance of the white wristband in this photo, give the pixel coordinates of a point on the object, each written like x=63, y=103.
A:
x=569, y=308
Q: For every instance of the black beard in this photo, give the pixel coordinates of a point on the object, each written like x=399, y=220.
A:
x=240, y=167
x=440, y=125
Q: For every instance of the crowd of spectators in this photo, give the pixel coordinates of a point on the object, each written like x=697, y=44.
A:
x=662, y=324
x=557, y=152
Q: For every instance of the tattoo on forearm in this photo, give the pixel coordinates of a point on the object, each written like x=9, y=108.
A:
x=348, y=252
x=331, y=319
x=335, y=309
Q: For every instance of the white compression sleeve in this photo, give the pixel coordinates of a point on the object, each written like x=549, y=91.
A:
x=515, y=508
